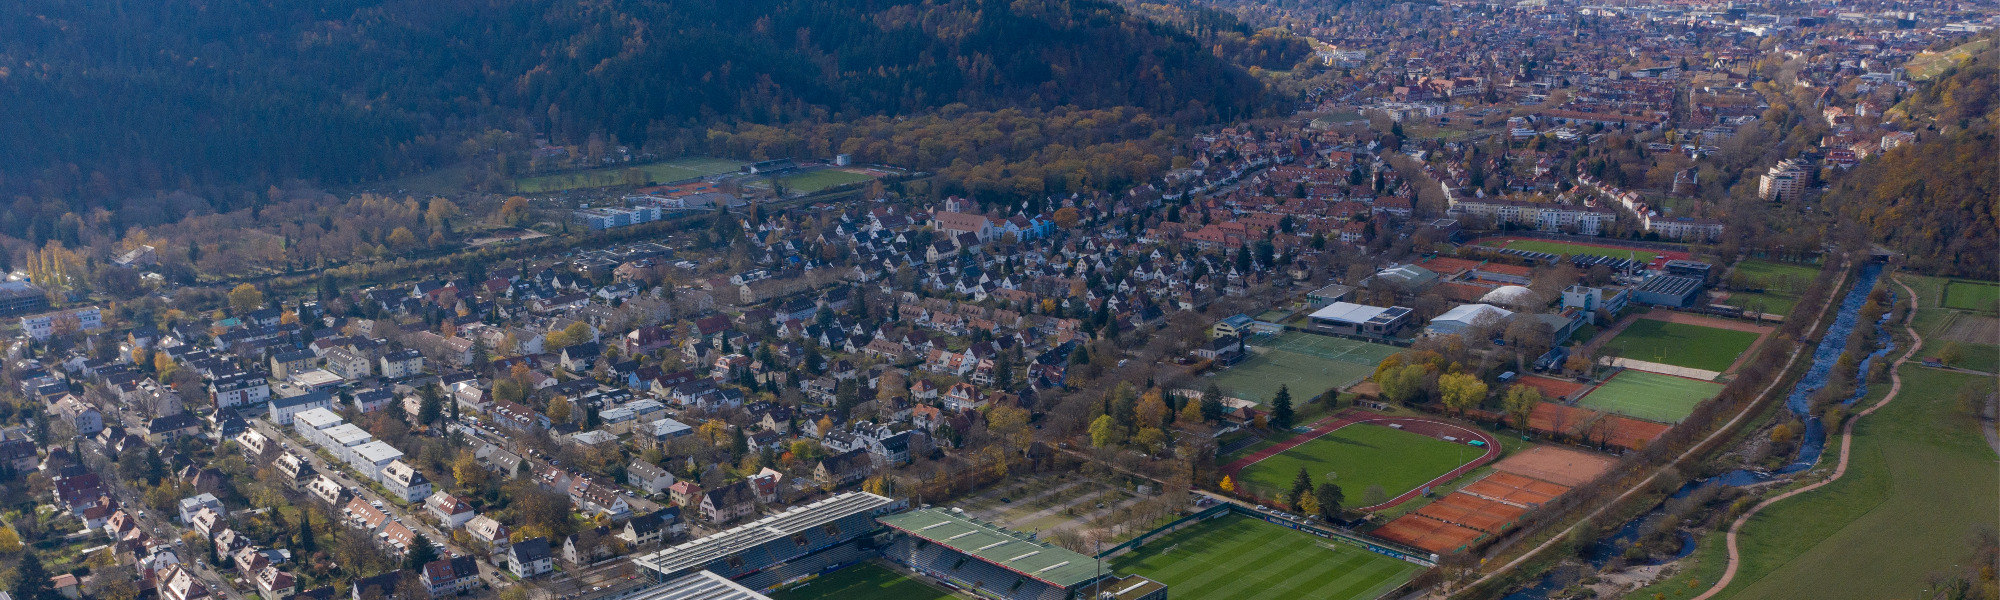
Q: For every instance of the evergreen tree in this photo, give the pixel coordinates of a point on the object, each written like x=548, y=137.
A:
x=431, y=406
x=738, y=444
x=1330, y=496
x=1281, y=408
x=1302, y=484
x=421, y=553
x=306, y=542
x=31, y=582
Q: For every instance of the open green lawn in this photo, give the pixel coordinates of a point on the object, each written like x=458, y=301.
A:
x=1650, y=396
x=1782, y=283
x=659, y=172
x=1258, y=377
x=1976, y=296
x=865, y=581
x=1683, y=345
x=1234, y=557
x=1920, y=481
x=1574, y=249
x=1359, y=456
x=814, y=181
x=1933, y=322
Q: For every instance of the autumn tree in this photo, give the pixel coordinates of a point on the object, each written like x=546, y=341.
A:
x=1520, y=402
x=1227, y=485
x=1461, y=391
x=245, y=298
x=559, y=410
x=1105, y=432
x=1152, y=409
x=400, y=239
x=1067, y=217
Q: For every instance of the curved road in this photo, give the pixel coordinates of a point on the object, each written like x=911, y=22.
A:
x=1846, y=443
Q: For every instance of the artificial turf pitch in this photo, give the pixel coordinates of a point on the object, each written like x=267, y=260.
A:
x=1682, y=345
x=1358, y=456
x=1234, y=557
x=865, y=581
x=1305, y=363
x=1650, y=396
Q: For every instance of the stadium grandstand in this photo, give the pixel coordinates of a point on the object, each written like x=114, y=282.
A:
x=992, y=562
x=768, y=552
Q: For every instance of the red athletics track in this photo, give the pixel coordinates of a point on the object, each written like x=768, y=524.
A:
x=1419, y=425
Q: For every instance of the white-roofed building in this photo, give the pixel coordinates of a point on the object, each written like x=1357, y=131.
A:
x=371, y=457
x=1347, y=318
x=1510, y=295
x=1467, y=316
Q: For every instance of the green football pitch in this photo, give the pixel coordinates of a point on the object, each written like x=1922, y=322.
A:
x=1650, y=396
x=1306, y=364
x=1357, y=457
x=1682, y=345
x=865, y=581
x=1234, y=557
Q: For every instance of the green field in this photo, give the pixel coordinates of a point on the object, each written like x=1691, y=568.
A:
x=1650, y=396
x=1234, y=557
x=814, y=181
x=1682, y=345
x=1782, y=283
x=1574, y=249
x=1920, y=480
x=1308, y=364
x=865, y=581
x=1359, y=456
x=1976, y=296
x=1935, y=322
x=659, y=172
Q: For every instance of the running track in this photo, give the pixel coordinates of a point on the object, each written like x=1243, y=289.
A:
x=1350, y=417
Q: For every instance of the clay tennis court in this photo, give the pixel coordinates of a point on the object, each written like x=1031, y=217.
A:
x=1514, y=489
x=1427, y=533
x=1561, y=466
x=1471, y=511
x=1593, y=426
x=1554, y=388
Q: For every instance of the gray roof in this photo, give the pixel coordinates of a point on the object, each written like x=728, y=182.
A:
x=714, y=547
x=699, y=585
x=1011, y=550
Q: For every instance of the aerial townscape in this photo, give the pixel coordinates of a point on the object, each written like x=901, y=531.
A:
x=1025, y=300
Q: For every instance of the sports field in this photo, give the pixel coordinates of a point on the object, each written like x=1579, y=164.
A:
x=1650, y=396
x=1919, y=482
x=806, y=183
x=1307, y=364
x=659, y=172
x=865, y=581
x=1357, y=457
x=1978, y=296
x=1682, y=345
x=1782, y=283
x=1236, y=556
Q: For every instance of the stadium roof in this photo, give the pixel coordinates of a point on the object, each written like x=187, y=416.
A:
x=699, y=585
x=700, y=553
x=1014, y=551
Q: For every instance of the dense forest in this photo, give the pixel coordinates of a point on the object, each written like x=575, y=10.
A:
x=107, y=99
x=1935, y=200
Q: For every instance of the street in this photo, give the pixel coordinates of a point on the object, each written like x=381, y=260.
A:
x=161, y=526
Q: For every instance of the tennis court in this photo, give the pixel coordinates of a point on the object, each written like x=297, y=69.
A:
x=1650, y=396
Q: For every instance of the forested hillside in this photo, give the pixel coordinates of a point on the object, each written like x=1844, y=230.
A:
x=105, y=99
x=1935, y=200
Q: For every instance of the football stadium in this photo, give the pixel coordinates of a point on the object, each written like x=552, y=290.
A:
x=952, y=550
